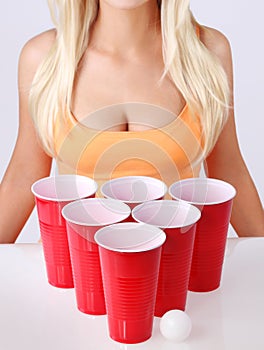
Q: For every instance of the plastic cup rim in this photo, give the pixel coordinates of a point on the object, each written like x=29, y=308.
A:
x=64, y=176
x=125, y=249
x=124, y=214
x=208, y=180
x=178, y=203
x=124, y=178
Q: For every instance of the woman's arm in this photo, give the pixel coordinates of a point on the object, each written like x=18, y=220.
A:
x=226, y=162
x=29, y=162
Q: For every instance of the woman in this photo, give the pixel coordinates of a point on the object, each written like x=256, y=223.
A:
x=126, y=87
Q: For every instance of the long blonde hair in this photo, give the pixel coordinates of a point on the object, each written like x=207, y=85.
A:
x=195, y=71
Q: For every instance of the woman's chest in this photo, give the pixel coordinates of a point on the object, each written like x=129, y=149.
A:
x=124, y=95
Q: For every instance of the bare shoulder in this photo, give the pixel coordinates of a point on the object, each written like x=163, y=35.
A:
x=38, y=47
x=217, y=43
x=34, y=52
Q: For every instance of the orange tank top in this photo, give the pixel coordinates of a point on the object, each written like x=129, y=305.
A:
x=169, y=153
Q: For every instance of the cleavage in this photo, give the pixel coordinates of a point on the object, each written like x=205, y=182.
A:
x=130, y=116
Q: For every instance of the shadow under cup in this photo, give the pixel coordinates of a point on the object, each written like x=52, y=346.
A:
x=178, y=221
x=51, y=195
x=214, y=198
x=83, y=219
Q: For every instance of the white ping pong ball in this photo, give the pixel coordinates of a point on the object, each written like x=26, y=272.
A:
x=175, y=325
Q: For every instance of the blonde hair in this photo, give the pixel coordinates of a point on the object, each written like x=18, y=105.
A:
x=195, y=71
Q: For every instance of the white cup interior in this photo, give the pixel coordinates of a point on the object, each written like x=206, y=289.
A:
x=202, y=191
x=166, y=214
x=130, y=237
x=95, y=212
x=64, y=187
x=134, y=189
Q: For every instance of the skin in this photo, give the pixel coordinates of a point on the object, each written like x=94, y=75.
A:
x=121, y=46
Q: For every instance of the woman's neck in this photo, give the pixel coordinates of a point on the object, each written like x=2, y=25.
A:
x=120, y=31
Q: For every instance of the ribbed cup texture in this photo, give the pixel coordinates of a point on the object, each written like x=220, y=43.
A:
x=130, y=285
x=172, y=291
x=175, y=269
x=88, y=281
x=209, y=247
x=122, y=290
x=86, y=273
x=57, y=255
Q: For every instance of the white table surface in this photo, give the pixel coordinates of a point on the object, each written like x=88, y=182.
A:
x=36, y=316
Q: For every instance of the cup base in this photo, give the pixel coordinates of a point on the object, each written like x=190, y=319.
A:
x=60, y=276
x=130, y=332
x=90, y=303
x=196, y=289
x=58, y=285
x=205, y=281
x=91, y=312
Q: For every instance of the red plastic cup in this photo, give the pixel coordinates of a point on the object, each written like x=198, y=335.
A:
x=51, y=194
x=214, y=198
x=134, y=190
x=130, y=258
x=83, y=219
x=178, y=221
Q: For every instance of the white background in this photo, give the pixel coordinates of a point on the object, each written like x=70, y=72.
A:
x=240, y=21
